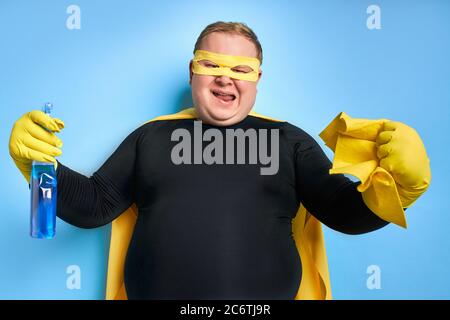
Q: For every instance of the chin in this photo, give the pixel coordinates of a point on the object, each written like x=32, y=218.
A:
x=220, y=117
x=220, y=113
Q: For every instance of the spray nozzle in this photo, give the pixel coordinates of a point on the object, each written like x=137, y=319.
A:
x=47, y=108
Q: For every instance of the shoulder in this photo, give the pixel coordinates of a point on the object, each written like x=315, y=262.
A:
x=298, y=138
x=155, y=131
x=155, y=126
x=294, y=137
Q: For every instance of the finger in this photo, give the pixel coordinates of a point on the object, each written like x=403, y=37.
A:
x=390, y=125
x=44, y=120
x=59, y=123
x=41, y=134
x=386, y=164
x=384, y=137
x=43, y=147
x=37, y=156
x=383, y=150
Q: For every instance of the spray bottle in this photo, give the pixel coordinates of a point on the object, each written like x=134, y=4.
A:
x=43, y=196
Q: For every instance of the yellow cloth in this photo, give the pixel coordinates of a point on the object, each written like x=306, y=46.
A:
x=357, y=151
x=307, y=231
x=236, y=67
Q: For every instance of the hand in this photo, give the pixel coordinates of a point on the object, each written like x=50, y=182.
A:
x=30, y=141
x=403, y=155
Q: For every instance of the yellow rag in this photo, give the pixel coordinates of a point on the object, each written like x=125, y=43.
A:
x=356, y=152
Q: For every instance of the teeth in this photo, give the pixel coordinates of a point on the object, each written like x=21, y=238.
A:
x=222, y=94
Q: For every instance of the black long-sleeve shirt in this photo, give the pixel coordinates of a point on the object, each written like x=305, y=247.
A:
x=212, y=231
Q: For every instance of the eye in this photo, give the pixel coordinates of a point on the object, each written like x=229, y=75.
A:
x=242, y=69
x=208, y=64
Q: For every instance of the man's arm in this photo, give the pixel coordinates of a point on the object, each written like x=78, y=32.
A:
x=332, y=199
x=95, y=201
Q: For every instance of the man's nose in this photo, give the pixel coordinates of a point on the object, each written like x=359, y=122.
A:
x=224, y=80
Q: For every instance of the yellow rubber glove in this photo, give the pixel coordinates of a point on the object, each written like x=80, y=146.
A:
x=30, y=141
x=403, y=155
x=387, y=157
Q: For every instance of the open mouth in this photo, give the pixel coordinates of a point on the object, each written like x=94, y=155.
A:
x=224, y=96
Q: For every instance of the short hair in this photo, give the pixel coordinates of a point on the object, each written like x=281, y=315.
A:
x=233, y=28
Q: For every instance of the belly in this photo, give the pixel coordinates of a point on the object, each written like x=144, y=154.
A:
x=192, y=254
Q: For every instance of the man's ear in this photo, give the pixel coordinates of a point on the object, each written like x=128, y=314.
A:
x=190, y=72
x=259, y=75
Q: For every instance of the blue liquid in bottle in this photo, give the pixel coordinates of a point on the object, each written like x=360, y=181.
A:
x=43, y=196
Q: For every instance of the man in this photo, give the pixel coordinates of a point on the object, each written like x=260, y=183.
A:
x=210, y=224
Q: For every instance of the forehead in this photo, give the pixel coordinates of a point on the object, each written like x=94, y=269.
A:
x=229, y=43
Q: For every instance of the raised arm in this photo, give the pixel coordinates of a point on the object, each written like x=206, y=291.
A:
x=332, y=199
x=98, y=200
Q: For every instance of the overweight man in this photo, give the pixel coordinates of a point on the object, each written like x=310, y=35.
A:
x=217, y=186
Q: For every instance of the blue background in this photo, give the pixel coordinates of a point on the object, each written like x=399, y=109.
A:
x=129, y=63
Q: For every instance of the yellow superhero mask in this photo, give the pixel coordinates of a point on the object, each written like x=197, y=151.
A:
x=215, y=64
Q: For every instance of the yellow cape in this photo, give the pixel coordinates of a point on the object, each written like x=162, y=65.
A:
x=307, y=231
